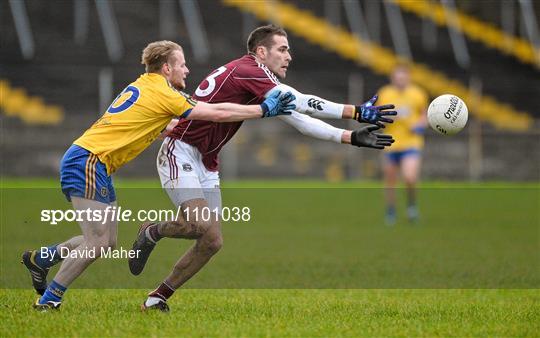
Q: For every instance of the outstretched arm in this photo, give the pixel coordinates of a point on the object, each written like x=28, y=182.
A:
x=321, y=108
x=224, y=112
x=317, y=128
x=363, y=137
x=275, y=104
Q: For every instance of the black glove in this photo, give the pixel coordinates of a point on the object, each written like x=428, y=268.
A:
x=368, y=113
x=364, y=137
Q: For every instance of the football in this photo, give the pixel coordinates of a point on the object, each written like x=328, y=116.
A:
x=447, y=114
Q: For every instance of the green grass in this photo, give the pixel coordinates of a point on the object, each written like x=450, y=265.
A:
x=36, y=182
x=315, y=260
x=281, y=313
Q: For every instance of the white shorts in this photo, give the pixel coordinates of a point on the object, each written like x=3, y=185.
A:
x=184, y=176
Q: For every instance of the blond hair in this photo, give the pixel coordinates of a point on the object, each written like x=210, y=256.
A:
x=157, y=53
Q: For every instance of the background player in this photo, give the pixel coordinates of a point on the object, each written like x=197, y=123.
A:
x=408, y=129
x=130, y=124
x=188, y=159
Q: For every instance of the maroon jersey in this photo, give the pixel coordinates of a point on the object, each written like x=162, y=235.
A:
x=243, y=81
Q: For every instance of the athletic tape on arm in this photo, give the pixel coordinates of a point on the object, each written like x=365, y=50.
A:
x=312, y=105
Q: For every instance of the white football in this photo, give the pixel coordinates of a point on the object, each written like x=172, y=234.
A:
x=447, y=114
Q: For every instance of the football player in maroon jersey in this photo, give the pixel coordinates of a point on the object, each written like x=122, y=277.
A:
x=188, y=159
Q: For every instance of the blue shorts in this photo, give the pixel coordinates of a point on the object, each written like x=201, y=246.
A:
x=395, y=157
x=82, y=174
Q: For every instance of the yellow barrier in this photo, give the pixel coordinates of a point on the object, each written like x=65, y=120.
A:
x=30, y=109
x=382, y=60
x=475, y=29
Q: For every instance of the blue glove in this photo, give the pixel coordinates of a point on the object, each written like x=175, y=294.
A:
x=368, y=113
x=277, y=104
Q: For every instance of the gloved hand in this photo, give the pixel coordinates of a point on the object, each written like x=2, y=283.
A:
x=368, y=113
x=364, y=137
x=277, y=104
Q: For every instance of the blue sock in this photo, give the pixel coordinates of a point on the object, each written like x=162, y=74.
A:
x=54, y=293
x=48, y=259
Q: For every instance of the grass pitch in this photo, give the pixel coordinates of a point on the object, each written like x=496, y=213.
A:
x=281, y=313
x=315, y=260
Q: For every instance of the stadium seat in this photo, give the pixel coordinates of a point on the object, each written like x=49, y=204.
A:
x=31, y=110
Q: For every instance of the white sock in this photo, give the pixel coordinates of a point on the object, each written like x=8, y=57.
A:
x=152, y=301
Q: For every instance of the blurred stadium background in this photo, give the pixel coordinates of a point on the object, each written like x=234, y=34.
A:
x=63, y=61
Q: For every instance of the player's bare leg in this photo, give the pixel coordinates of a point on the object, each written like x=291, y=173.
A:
x=151, y=232
x=71, y=243
x=390, y=172
x=96, y=235
x=410, y=169
x=187, y=266
x=195, y=228
x=208, y=242
x=196, y=257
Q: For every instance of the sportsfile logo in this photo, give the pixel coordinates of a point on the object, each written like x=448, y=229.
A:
x=119, y=214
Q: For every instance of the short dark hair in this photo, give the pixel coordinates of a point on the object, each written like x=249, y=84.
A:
x=262, y=36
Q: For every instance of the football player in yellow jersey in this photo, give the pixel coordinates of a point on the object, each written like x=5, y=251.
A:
x=407, y=129
x=130, y=124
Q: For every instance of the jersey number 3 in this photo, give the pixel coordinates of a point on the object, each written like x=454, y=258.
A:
x=126, y=99
x=211, y=79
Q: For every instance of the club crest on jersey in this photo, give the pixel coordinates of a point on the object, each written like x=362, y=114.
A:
x=187, y=167
x=104, y=192
x=315, y=104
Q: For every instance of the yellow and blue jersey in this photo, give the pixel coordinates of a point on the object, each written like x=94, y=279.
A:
x=411, y=103
x=130, y=124
x=134, y=120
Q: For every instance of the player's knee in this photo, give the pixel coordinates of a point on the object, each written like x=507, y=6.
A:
x=212, y=242
x=214, y=246
x=200, y=227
